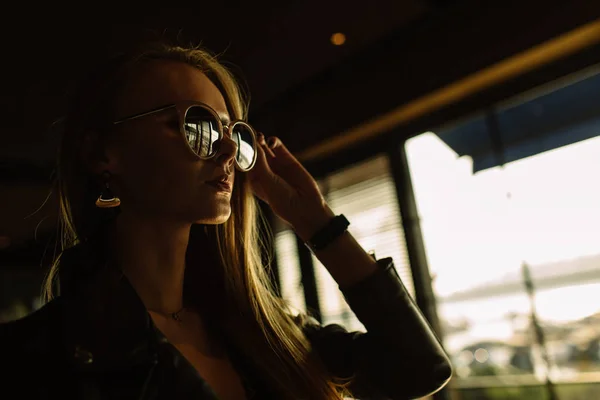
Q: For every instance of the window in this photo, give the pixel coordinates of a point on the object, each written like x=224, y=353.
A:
x=510, y=215
x=539, y=214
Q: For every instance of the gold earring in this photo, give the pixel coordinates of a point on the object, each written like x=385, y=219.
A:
x=106, y=198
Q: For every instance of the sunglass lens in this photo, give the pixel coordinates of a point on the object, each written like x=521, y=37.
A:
x=201, y=131
x=242, y=134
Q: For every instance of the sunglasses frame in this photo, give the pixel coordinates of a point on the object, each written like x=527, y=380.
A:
x=182, y=108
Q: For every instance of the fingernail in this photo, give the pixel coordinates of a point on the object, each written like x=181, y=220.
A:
x=261, y=138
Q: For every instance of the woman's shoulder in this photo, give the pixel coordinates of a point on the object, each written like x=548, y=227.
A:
x=30, y=350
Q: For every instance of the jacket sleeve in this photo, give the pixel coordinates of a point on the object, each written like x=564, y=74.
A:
x=399, y=357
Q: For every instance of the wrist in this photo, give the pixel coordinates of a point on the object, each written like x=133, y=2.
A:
x=312, y=221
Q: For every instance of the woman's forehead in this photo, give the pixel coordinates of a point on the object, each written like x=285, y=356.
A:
x=161, y=82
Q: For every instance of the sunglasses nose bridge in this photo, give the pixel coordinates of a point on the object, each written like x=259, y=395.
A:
x=227, y=130
x=227, y=148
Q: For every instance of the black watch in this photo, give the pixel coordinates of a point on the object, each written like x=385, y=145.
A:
x=336, y=227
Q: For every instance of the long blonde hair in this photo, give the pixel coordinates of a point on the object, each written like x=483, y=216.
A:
x=249, y=314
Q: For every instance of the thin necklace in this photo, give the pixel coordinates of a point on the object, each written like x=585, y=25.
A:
x=174, y=315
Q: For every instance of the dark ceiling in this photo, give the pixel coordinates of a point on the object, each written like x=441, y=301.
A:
x=303, y=88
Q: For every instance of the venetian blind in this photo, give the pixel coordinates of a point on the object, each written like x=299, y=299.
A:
x=288, y=267
x=365, y=194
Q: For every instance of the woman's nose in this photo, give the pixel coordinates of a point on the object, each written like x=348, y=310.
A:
x=228, y=149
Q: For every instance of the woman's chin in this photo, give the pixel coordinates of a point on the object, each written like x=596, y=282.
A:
x=215, y=219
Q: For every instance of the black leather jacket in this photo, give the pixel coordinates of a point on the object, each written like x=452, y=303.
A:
x=78, y=347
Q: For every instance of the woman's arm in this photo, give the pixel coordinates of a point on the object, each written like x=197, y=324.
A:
x=347, y=262
x=399, y=357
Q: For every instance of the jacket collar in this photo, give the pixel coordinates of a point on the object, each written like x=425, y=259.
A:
x=107, y=328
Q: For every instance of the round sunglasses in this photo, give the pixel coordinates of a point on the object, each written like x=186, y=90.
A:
x=203, y=131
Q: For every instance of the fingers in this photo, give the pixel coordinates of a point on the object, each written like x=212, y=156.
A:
x=264, y=145
x=261, y=160
x=262, y=177
x=277, y=147
x=286, y=165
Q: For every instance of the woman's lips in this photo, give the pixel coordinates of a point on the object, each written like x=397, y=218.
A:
x=220, y=186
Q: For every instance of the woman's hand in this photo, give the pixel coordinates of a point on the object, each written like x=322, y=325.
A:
x=287, y=187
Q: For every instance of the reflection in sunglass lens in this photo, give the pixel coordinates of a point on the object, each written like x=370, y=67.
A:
x=242, y=135
x=202, y=134
x=201, y=131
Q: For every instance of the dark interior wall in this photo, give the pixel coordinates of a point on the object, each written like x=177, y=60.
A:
x=19, y=288
x=448, y=45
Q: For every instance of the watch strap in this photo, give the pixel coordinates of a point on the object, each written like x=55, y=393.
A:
x=336, y=227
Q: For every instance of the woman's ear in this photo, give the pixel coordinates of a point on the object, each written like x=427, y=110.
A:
x=98, y=156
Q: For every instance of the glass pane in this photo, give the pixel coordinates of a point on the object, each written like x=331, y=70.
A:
x=481, y=231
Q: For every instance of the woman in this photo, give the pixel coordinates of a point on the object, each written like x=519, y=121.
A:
x=162, y=289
